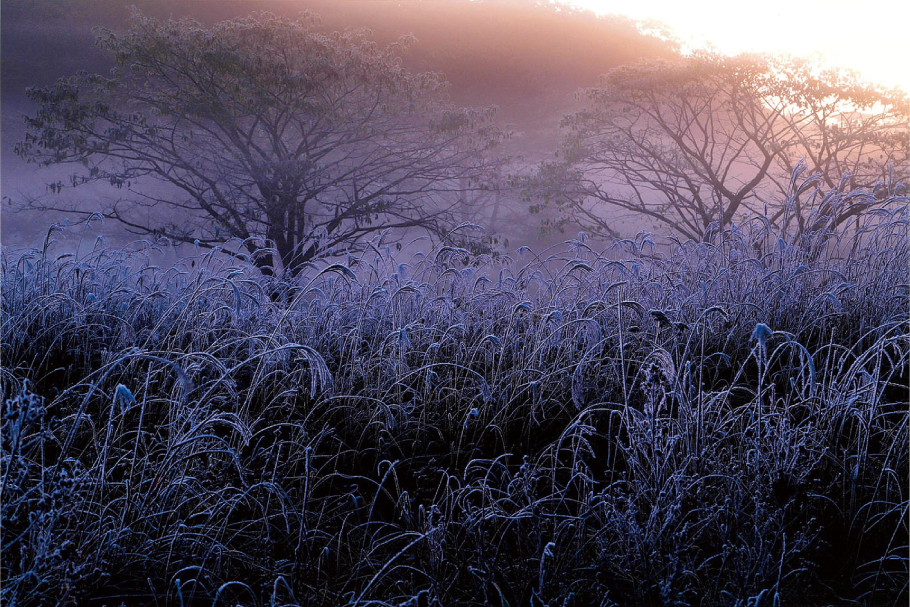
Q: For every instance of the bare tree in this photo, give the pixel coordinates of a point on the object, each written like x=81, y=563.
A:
x=700, y=140
x=263, y=129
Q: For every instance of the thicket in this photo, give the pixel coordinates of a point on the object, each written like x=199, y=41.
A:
x=717, y=423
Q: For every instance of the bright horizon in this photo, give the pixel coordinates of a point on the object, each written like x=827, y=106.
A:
x=870, y=40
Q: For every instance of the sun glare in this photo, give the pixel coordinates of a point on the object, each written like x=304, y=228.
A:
x=866, y=37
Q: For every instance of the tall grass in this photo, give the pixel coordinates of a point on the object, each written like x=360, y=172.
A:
x=716, y=423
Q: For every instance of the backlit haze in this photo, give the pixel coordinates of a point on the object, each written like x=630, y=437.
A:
x=869, y=37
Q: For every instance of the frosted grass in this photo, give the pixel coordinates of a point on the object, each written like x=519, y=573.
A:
x=716, y=423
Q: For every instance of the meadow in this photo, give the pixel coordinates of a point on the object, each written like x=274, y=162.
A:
x=705, y=423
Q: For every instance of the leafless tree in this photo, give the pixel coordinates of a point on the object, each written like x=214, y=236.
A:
x=701, y=140
x=263, y=129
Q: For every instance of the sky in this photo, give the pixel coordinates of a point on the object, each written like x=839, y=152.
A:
x=869, y=36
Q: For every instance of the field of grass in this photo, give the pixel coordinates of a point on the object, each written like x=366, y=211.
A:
x=717, y=423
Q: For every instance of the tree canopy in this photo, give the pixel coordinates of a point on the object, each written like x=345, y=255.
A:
x=265, y=129
x=700, y=140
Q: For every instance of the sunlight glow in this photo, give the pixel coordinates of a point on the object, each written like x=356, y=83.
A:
x=868, y=36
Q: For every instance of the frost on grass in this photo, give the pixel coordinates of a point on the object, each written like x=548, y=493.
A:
x=722, y=423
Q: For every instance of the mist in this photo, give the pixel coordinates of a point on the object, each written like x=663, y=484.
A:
x=529, y=61
x=465, y=302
